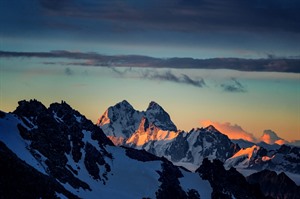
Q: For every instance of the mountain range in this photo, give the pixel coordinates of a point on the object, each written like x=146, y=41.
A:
x=154, y=131
x=56, y=152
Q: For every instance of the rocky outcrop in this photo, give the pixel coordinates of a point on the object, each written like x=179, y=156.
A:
x=227, y=183
x=278, y=186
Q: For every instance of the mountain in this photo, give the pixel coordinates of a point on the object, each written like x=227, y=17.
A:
x=56, y=152
x=154, y=131
x=227, y=184
x=286, y=158
x=246, y=144
x=275, y=185
x=119, y=122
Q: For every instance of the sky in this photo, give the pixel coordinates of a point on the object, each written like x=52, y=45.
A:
x=234, y=64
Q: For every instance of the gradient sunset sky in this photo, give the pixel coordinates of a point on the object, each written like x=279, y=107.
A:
x=232, y=63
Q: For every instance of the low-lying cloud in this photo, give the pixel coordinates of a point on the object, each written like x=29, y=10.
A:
x=233, y=131
x=234, y=86
x=95, y=59
x=270, y=137
x=167, y=76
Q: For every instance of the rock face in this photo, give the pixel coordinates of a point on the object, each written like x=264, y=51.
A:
x=56, y=152
x=19, y=180
x=227, y=183
x=154, y=131
x=275, y=185
x=60, y=130
x=122, y=120
x=286, y=158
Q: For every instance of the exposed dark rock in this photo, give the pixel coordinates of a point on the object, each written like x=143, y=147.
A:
x=92, y=159
x=159, y=117
x=140, y=155
x=57, y=131
x=178, y=149
x=170, y=186
x=227, y=184
x=19, y=180
x=277, y=186
x=2, y=114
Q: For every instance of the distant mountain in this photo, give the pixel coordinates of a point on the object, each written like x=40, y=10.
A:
x=227, y=184
x=246, y=144
x=56, y=152
x=275, y=185
x=153, y=131
x=286, y=158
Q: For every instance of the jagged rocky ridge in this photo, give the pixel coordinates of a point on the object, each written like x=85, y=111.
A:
x=153, y=131
x=275, y=185
x=285, y=158
x=56, y=152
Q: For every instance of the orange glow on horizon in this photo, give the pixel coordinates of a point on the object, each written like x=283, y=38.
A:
x=232, y=131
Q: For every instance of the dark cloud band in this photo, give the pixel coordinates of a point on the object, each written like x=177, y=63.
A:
x=95, y=59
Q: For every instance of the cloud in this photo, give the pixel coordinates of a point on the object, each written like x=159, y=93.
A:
x=188, y=80
x=233, y=131
x=68, y=71
x=161, y=76
x=182, y=15
x=169, y=76
x=235, y=86
x=270, y=137
x=95, y=59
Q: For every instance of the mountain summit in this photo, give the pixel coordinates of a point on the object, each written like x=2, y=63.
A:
x=154, y=131
x=121, y=120
x=159, y=117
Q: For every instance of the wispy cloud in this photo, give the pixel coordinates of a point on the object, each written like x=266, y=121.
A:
x=95, y=59
x=68, y=71
x=234, y=86
x=167, y=76
x=233, y=131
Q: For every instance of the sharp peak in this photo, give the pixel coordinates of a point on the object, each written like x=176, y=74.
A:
x=62, y=103
x=211, y=128
x=153, y=104
x=124, y=103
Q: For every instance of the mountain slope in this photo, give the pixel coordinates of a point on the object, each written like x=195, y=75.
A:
x=71, y=157
x=286, y=158
x=276, y=186
x=154, y=131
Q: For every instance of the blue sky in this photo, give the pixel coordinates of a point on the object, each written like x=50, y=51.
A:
x=225, y=61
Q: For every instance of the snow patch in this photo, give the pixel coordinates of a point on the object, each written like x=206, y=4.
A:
x=10, y=136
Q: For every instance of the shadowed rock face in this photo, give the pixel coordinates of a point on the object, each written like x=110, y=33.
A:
x=154, y=132
x=51, y=133
x=72, y=155
x=59, y=137
x=19, y=180
x=227, y=183
x=277, y=186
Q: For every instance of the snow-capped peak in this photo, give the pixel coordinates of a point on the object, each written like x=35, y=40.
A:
x=122, y=120
x=159, y=117
x=124, y=104
x=154, y=106
x=211, y=129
